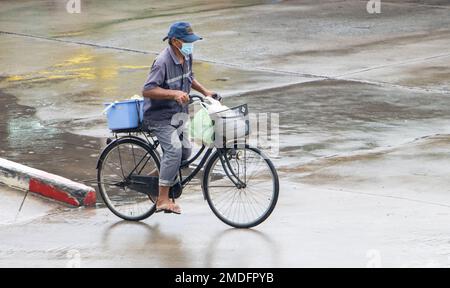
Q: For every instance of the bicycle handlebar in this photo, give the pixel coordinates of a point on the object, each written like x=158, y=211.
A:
x=202, y=98
x=192, y=98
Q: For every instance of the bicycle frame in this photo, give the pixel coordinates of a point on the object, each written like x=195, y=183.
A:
x=229, y=171
x=197, y=169
x=153, y=144
x=128, y=172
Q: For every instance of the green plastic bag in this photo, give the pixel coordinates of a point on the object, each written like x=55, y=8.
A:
x=202, y=127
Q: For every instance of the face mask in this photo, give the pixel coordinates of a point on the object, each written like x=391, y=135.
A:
x=187, y=49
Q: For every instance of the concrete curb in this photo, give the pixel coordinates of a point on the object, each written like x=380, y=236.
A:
x=45, y=184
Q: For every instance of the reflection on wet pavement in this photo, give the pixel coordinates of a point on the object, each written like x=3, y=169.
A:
x=25, y=140
x=144, y=237
x=33, y=207
x=169, y=241
x=69, y=89
x=97, y=16
x=326, y=118
x=416, y=170
x=249, y=246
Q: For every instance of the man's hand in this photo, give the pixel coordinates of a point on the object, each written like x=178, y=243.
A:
x=213, y=95
x=180, y=96
x=209, y=93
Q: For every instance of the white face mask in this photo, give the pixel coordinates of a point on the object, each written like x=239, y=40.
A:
x=187, y=49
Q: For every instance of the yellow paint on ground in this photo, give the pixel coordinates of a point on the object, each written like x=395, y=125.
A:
x=83, y=58
x=135, y=67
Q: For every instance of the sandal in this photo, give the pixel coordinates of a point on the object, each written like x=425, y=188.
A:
x=166, y=208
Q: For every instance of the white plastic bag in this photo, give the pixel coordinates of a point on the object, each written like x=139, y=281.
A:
x=213, y=106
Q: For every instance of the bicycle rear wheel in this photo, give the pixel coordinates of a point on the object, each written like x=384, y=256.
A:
x=251, y=204
x=119, y=165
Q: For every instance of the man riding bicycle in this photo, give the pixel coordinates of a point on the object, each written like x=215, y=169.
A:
x=166, y=94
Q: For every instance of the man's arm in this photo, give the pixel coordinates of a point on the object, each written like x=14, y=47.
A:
x=153, y=90
x=159, y=93
x=200, y=88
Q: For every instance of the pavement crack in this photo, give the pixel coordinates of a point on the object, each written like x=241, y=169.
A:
x=315, y=77
x=391, y=85
x=388, y=196
x=318, y=164
x=102, y=46
x=416, y=60
x=413, y=4
x=62, y=40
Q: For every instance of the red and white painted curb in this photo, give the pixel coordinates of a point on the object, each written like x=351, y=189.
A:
x=45, y=184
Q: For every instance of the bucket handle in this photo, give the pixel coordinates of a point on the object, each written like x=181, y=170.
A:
x=109, y=107
x=138, y=108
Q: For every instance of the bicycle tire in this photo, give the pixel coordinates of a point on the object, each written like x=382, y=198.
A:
x=276, y=187
x=103, y=193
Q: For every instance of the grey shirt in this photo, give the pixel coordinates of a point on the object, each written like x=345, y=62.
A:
x=168, y=73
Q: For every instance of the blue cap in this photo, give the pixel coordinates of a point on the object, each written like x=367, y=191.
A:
x=183, y=31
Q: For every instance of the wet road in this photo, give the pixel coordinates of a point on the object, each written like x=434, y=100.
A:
x=364, y=124
x=346, y=211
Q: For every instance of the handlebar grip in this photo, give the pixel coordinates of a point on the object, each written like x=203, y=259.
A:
x=202, y=98
x=192, y=97
x=217, y=97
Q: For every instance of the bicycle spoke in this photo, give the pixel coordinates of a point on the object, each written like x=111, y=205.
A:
x=226, y=197
x=129, y=158
x=115, y=172
x=246, y=205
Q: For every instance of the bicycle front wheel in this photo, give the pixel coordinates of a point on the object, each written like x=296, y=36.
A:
x=252, y=203
x=119, y=164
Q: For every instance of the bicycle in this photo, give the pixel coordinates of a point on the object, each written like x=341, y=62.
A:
x=240, y=183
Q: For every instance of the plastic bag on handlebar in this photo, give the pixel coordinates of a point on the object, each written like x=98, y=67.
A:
x=213, y=106
x=202, y=127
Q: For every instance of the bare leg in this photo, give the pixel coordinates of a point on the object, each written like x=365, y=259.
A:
x=164, y=200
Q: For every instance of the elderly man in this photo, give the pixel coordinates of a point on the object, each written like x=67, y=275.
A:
x=166, y=94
